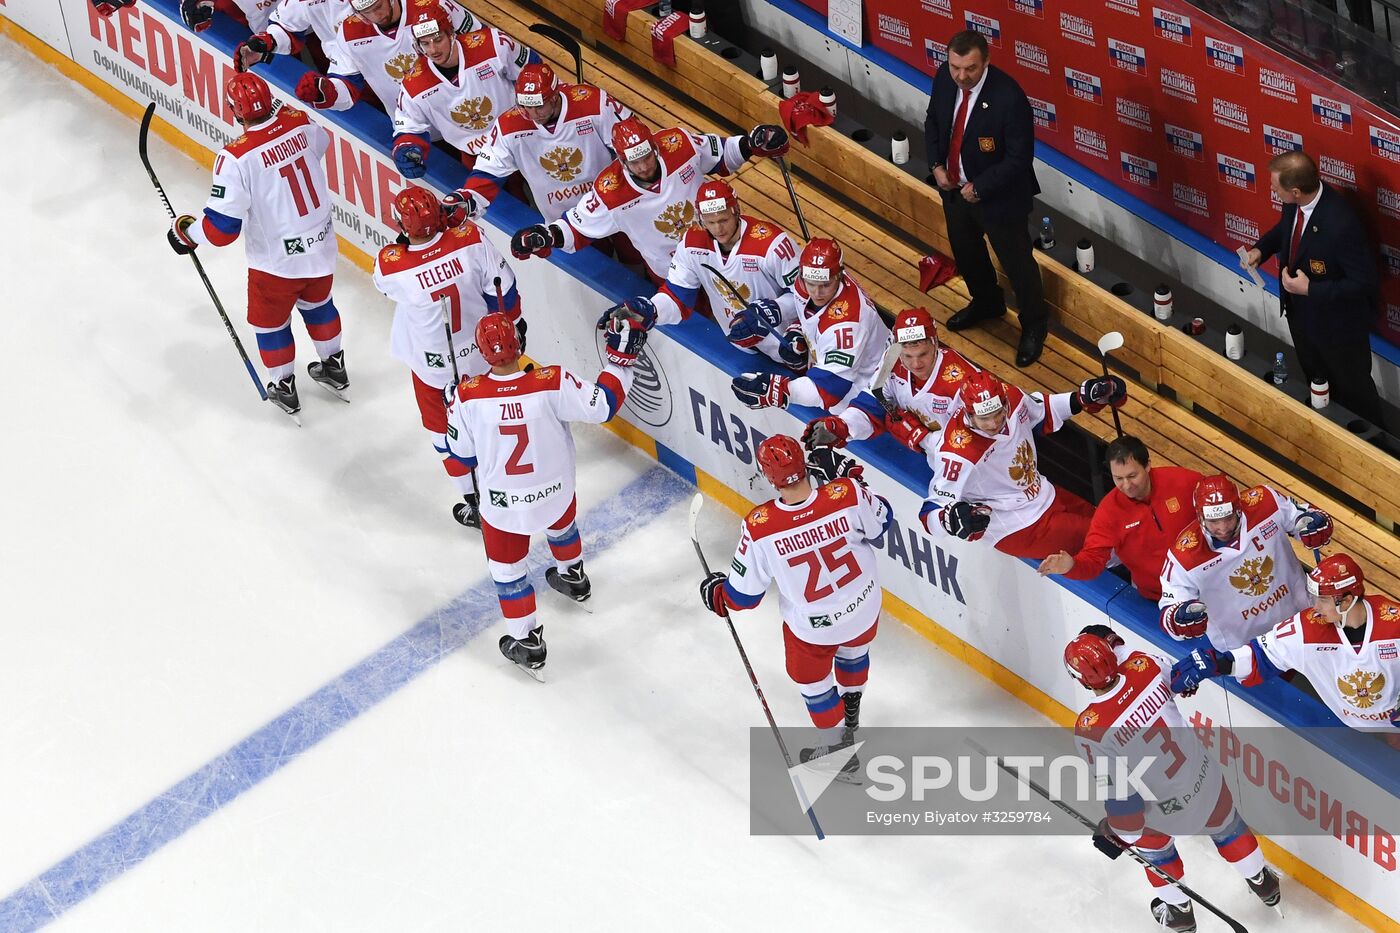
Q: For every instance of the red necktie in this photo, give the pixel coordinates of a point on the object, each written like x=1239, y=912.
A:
x=955, y=146
x=1297, y=238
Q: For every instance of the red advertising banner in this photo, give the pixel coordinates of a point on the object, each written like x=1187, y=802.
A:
x=1173, y=106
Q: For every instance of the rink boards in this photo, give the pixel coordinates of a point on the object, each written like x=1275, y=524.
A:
x=989, y=610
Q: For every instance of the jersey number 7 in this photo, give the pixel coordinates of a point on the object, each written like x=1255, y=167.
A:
x=833, y=556
x=454, y=304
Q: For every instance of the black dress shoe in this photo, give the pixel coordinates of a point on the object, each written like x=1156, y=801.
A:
x=971, y=316
x=1028, y=350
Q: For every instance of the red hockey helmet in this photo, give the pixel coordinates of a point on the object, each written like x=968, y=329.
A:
x=536, y=85
x=1337, y=576
x=1216, y=497
x=982, y=393
x=821, y=260
x=418, y=212
x=248, y=97
x=716, y=197
x=914, y=324
x=631, y=140
x=427, y=18
x=781, y=460
x=497, y=340
x=1089, y=658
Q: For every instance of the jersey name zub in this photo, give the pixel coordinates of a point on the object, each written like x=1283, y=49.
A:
x=1138, y=727
x=270, y=186
x=462, y=108
x=558, y=164
x=847, y=338
x=385, y=59
x=458, y=265
x=1247, y=586
x=762, y=265
x=654, y=218
x=513, y=431
x=821, y=555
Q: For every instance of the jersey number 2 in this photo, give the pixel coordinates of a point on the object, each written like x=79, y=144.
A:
x=289, y=172
x=832, y=556
x=521, y=433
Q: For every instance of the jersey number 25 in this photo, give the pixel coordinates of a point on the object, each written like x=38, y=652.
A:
x=833, y=556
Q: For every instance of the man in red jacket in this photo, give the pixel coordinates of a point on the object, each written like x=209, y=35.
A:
x=1138, y=519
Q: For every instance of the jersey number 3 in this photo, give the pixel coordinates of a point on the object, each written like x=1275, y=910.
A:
x=833, y=556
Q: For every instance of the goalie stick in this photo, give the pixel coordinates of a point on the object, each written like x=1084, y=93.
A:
x=695, y=505
x=1068, y=810
x=199, y=266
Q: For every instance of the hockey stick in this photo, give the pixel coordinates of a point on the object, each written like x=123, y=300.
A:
x=1107, y=344
x=695, y=505
x=1231, y=922
x=451, y=350
x=199, y=266
x=792, y=193
x=724, y=280
x=882, y=376
x=566, y=42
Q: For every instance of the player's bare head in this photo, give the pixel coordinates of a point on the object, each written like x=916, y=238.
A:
x=782, y=461
x=1335, y=585
x=419, y=213
x=1090, y=659
x=1127, y=464
x=382, y=13
x=249, y=98
x=433, y=36
x=537, y=93
x=633, y=143
x=1218, y=505
x=821, y=267
x=718, y=207
x=967, y=58
x=984, y=398
x=916, y=332
x=497, y=340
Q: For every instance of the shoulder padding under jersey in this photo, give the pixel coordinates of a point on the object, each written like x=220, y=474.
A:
x=962, y=441
x=675, y=148
x=612, y=189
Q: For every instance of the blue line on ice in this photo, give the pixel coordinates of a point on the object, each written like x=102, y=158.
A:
x=183, y=806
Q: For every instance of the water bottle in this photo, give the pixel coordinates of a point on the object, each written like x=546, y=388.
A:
x=1280, y=370
x=663, y=9
x=1047, y=234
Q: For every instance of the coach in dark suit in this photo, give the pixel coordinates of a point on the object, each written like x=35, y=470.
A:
x=1328, y=282
x=981, y=143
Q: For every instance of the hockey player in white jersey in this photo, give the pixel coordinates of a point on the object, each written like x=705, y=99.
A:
x=1347, y=645
x=556, y=136
x=818, y=542
x=1135, y=723
x=459, y=268
x=922, y=392
x=457, y=88
x=987, y=483
x=374, y=47
x=199, y=14
x=271, y=180
x=510, y=428
x=648, y=192
x=759, y=263
x=1234, y=575
x=844, y=330
x=290, y=22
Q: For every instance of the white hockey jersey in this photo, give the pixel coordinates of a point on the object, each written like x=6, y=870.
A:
x=654, y=218
x=1138, y=721
x=1360, y=684
x=459, y=265
x=1249, y=587
x=270, y=186
x=321, y=18
x=1002, y=472
x=258, y=13
x=384, y=59
x=847, y=339
x=934, y=401
x=558, y=164
x=461, y=109
x=821, y=553
x=762, y=264
x=513, y=431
